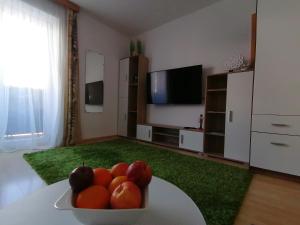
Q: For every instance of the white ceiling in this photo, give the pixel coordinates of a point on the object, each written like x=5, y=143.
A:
x=136, y=16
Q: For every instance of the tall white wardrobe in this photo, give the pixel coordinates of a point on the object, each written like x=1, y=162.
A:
x=275, y=142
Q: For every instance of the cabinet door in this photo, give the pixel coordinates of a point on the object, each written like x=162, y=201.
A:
x=238, y=116
x=276, y=152
x=277, y=73
x=123, y=79
x=144, y=133
x=122, y=118
x=191, y=140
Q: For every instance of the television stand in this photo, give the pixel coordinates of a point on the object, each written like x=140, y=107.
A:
x=171, y=136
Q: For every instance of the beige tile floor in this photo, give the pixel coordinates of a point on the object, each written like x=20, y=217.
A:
x=17, y=178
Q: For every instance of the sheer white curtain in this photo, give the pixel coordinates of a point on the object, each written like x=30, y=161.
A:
x=32, y=68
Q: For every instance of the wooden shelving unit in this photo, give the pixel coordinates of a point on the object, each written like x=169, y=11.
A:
x=215, y=107
x=138, y=67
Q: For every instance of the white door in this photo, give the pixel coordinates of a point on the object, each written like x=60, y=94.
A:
x=122, y=118
x=238, y=116
x=123, y=79
x=277, y=74
x=144, y=133
x=191, y=140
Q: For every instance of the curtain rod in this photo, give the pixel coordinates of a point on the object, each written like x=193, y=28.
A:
x=68, y=4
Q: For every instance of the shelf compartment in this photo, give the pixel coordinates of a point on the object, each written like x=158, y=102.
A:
x=216, y=112
x=133, y=69
x=218, y=81
x=165, y=134
x=164, y=130
x=166, y=140
x=216, y=101
x=215, y=133
x=217, y=90
x=131, y=125
x=215, y=123
x=132, y=100
x=214, y=144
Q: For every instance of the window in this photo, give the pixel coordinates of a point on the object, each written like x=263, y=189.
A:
x=32, y=44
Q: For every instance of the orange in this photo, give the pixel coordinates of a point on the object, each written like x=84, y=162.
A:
x=102, y=176
x=119, y=169
x=93, y=197
x=116, y=182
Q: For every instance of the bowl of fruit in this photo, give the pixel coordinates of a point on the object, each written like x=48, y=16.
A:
x=103, y=196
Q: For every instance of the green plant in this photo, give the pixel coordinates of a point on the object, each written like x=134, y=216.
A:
x=139, y=47
x=131, y=48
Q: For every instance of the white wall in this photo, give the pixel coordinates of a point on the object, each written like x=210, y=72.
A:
x=209, y=37
x=93, y=35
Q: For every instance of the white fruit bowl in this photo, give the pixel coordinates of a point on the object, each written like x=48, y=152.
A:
x=102, y=216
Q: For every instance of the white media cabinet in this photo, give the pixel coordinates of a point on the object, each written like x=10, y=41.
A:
x=172, y=136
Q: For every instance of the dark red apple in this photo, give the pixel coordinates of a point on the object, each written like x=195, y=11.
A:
x=140, y=173
x=81, y=178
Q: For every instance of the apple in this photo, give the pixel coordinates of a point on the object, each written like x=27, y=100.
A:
x=140, y=173
x=119, y=169
x=81, y=178
x=126, y=196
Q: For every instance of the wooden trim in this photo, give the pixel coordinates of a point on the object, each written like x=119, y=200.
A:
x=217, y=74
x=69, y=5
x=253, y=39
x=241, y=71
x=97, y=139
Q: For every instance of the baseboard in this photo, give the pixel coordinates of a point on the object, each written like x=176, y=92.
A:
x=97, y=139
x=270, y=173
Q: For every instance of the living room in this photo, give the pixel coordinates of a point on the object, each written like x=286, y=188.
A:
x=149, y=112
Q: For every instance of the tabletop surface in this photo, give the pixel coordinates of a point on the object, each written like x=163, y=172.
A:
x=168, y=205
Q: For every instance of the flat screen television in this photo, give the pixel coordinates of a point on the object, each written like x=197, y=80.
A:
x=175, y=86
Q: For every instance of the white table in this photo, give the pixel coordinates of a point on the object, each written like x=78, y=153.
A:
x=168, y=205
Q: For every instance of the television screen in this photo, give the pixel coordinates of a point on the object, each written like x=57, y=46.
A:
x=94, y=93
x=175, y=86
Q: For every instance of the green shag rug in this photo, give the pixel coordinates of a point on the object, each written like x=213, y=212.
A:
x=217, y=189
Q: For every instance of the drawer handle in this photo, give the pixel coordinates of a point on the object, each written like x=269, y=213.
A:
x=280, y=125
x=230, y=116
x=280, y=144
x=181, y=139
